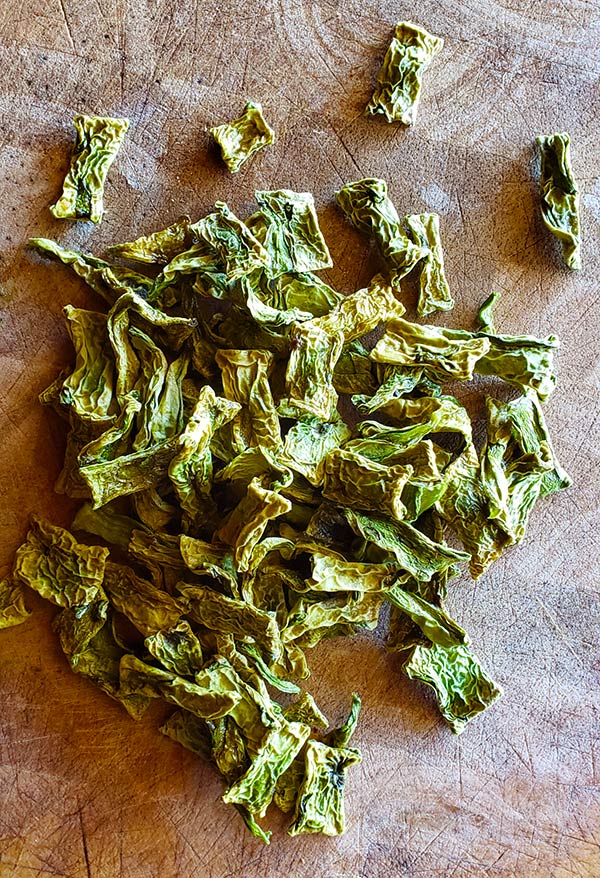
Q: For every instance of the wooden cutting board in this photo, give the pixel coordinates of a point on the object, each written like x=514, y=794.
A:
x=84, y=790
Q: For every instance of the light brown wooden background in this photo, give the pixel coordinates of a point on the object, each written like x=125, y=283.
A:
x=84, y=790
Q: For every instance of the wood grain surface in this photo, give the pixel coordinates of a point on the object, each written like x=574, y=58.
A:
x=85, y=792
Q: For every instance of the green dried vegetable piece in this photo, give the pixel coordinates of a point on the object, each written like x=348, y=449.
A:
x=158, y=388
x=149, y=608
x=288, y=228
x=308, y=442
x=89, y=390
x=485, y=315
x=396, y=381
x=130, y=309
x=109, y=281
x=422, y=416
x=251, y=652
x=177, y=649
x=355, y=481
x=465, y=506
x=443, y=354
x=360, y=312
x=60, y=569
x=256, y=788
x=77, y=626
x=332, y=573
x=320, y=803
x=87, y=639
x=214, y=562
x=434, y=294
x=243, y=137
x=303, y=291
x=413, y=551
x=433, y=621
x=12, y=604
x=462, y=687
x=251, y=463
x=97, y=144
x=229, y=616
x=340, y=737
x=309, y=374
x=105, y=523
x=518, y=465
x=521, y=360
x=129, y=473
x=190, y=468
x=115, y=440
x=246, y=524
x=305, y=710
x=190, y=731
x=354, y=369
x=236, y=247
x=369, y=208
x=160, y=247
x=245, y=376
x=153, y=511
x=254, y=714
x=560, y=196
x=398, y=89
x=205, y=701
x=310, y=620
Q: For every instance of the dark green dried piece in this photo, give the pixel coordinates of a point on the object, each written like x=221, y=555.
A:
x=412, y=549
x=518, y=465
x=309, y=374
x=560, y=196
x=228, y=616
x=97, y=144
x=369, y=208
x=464, y=505
x=398, y=89
x=177, y=649
x=308, y=442
x=359, y=483
x=149, y=608
x=243, y=137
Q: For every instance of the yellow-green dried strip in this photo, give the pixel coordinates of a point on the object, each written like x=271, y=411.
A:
x=96, y=146
x=434, y=292
x=398, y=88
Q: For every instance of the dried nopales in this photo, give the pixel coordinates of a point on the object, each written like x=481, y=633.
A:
x=96, y=146
x=243, y=137
x=396, y=95
x=244, y=519
x=560, y=196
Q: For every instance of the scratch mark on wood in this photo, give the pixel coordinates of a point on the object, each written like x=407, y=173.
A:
x=84, y=843
x=61, y=3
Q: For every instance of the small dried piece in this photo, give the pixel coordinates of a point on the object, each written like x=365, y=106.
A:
x=434, y=293
x=97, y=144
x=560, y=196
x=398, y=89
x=243, y=137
